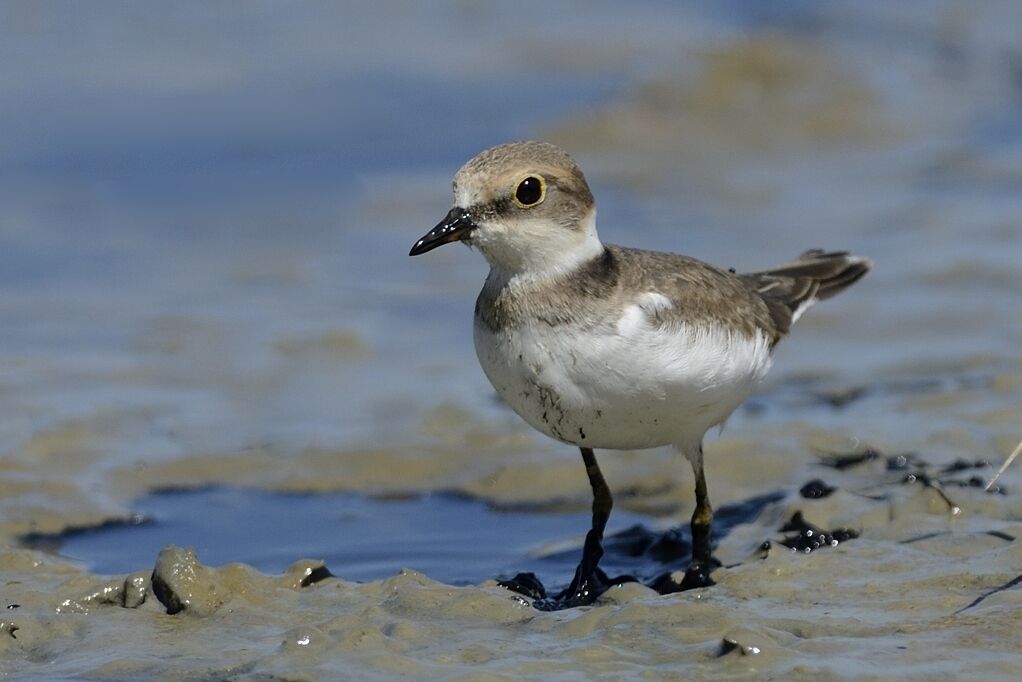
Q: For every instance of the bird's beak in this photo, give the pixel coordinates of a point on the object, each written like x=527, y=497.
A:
x=455, y=227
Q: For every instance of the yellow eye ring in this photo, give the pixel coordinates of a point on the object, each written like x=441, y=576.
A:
x=530, y=191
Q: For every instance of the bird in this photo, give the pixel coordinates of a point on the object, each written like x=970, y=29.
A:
x=602, y=346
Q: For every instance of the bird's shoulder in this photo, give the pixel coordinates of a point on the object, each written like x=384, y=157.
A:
x=664, y=289
x=673, y=289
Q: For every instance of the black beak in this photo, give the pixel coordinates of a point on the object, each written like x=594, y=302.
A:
x=455, y=227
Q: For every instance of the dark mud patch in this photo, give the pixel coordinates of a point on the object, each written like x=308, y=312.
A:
x=800, y=392
x=662, y=560
x=816, y=489
x=52, y=542
x=802, y=536
x=917, y=470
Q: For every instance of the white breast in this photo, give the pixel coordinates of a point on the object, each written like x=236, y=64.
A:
x=631, y=383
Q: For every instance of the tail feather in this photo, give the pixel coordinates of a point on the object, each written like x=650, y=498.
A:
x=789, y=289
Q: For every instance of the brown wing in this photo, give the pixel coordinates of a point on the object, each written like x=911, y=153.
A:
x=815, y=275
x=699, y=293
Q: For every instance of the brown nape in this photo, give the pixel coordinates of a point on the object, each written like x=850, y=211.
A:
x=575, y=187
x=814, y=274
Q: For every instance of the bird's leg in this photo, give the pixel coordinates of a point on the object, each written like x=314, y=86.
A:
x=602, y=504
x=698, y=573
x=589, y=582
x=702, y=521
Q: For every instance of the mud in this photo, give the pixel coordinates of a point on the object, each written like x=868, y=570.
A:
x=911, y=593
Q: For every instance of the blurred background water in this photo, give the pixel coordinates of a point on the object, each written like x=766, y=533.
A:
x=205, y=210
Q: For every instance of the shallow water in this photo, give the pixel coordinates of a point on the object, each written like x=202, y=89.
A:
x=451, y=539
x=204, y=282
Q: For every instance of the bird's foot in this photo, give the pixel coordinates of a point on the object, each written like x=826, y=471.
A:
x=525, y=584
x=582, y=591
x=698, y=574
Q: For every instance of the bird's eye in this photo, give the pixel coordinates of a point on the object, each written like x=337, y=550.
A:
x=530, y=191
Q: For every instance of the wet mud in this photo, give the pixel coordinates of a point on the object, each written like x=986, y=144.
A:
x=766, y=545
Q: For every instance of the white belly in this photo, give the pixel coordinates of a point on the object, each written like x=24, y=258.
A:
x=628, y=387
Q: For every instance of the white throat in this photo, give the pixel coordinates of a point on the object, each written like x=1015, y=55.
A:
x=533, y=251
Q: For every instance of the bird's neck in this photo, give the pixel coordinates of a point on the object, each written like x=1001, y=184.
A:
x=549, y=259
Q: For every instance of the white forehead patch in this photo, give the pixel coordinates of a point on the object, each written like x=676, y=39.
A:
x=471, y=188
x=466, y=194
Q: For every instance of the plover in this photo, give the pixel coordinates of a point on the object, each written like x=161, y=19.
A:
x=603, y=346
